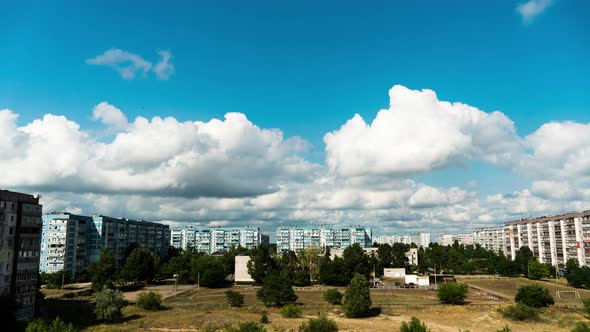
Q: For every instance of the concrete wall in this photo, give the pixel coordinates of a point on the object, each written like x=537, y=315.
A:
x=241, y=269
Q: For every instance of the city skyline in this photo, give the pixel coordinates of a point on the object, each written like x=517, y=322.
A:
x=399, y=117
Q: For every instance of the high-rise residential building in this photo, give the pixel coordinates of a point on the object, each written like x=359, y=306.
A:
x=444, y=239
x=419, y=239
x=20, y=237
x=553, y=239
x=491, y=238
x=214, y=239
x=301, y=237
x=70, y=241
x=449, y=239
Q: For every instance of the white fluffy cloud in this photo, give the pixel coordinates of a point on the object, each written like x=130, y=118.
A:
x=531, y=9
x=229, y=158
x=130, y=65
x=419, y=133
x=110, y=115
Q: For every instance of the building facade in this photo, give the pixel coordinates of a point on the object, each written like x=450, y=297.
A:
x=420, y=239
x=449, y=239
x=553, y=240
x=70, y=242
x=301, y=237
x=490, y=238
x=20, y=238
x=214, y=239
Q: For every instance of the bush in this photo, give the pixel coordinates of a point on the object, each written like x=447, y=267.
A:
x=109, y=304
x=534, y=296
x=247, y=327
x=276, y=290
x=333, y=296
x=520, y=311
x=234, y=299
x=504, y=329
x=57, y=325
x=415, y=325
x=320, y=324
x=149, y=301
x=291, y=311
x=452, y=293
x=357, y=299
x=581, y=327
x=264, y=319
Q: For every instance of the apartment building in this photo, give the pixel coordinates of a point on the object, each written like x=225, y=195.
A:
x=301, y=237
x=420, y=239
x=70, y=242
x=20, y=236
x=214, y=239
x=490, y=238
x=553, y=239
x=449, y=239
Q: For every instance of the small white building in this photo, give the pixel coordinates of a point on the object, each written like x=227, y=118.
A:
x=417, y=280
x=241, y=269
x=394, y=272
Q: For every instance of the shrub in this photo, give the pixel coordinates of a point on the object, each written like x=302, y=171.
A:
x=581, y=327
x=320, y=324
x=520, y=311
x=452, y=293
x=291, y=311
x=149, y=301
x=357, y=299
x=57, y=325
x=247, y=327
x=264, y=319
x=234, y=299
x=333, y=296
x=415, y=325
x=534, y=296
x=109, y=303
x=276, y=290
x=504, y=329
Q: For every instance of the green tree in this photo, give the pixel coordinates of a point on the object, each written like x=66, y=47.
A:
x=109, y=304
x=356, y=261
x=291, y=311
x=276, y=290
x=139, y=266
x=581, y=327
x=535, y=296
x=523, y=256
x=55, y=279
x=452, y=293
x=320, y=324
x=415, y=325
x=208, y=271
x=102, y=272
x=333, y=272
x=357, y=298
x=261, y=263
x=537, y=270
x=149, y=301
x=301, y=279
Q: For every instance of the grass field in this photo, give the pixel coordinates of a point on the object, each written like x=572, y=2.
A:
x=508, y=286
x=197, y=310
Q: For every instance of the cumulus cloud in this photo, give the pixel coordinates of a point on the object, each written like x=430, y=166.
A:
x=164, y=69
x=130, y=65
x=419, y=133
x=159, y=157
x=109, y=115
x=531, y=9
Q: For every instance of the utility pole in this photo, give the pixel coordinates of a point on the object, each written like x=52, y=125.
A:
x=435, y=285
x=63, y=276
x=198, y=281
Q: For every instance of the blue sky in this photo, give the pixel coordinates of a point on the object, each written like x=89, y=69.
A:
x=303, y=67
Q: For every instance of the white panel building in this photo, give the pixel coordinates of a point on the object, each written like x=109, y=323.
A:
x=552, y=240
x=298, y=237
x=214, y=239
x=491, y=238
